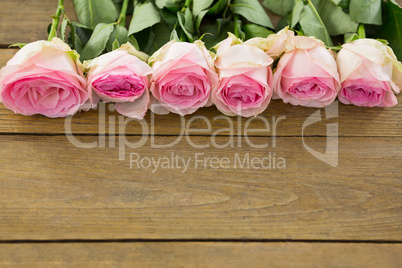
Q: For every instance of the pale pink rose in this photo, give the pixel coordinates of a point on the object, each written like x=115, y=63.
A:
x=183, y=77
x=306, y=74
x=245, y=86
x=369, y=74
x=43, y=78
x=121, y=77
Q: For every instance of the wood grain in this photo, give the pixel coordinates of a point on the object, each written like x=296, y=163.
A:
x=26, y=21
x=50, y=189
x=352, y=121
x=193, y=254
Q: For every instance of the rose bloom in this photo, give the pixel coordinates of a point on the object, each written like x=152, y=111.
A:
x=306, y=74
x=369, y=74
x=183, y=77
x=245, y=86
x=121, y=77
x=43, y=78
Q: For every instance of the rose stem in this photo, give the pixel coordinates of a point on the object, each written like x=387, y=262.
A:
x=55, y=22
x=236, y=25
x=122, y=17
x=361, y=32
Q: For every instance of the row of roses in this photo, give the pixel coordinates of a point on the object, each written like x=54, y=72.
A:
x=47, y=77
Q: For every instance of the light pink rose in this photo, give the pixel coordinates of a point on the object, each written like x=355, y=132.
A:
x=369, y=74
x=183, y=77
x=43, y=78
x=121, y=77
x=306, y=74
x=245, y=86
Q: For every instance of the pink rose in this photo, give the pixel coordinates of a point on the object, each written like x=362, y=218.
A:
x=306, y=74
x=121, y=77
x=183, y=77
x=43, y=78
x=245, y=86
x=369, y=74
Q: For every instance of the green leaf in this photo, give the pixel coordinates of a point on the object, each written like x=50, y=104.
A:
x=93, y=12
x=174, y=36
x=168, y=3
x=280, y=7
x=200, y=5
x=218, y=8
x=145, y=40
x=223, y=26
x=82, y=31
x=217, y=32
x=145, y=15
x=351, y=37
x=97, y=42
x=189, y=23
x=392, y=29
x=253, y=30
x=312, y=24
x=20, y=45
x=297, y=9
x=63, y=29
x=169, y=18
x=162, y=35
x=252, y=11
x=344, y=4
x=134, y=42
x=199, y=18
x=336, y=21
x=185, y=21
x=119, y=34
x=116, y=44
x=366, y=11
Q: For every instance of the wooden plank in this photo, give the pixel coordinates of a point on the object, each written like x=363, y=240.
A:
x=196, y=254
x=353, y=121
x=50, y=189
x=25, y=21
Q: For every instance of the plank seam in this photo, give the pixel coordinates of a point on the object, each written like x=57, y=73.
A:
x=184, y=135
x=27, y=241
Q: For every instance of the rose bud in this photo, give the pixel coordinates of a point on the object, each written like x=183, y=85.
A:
x=183, y=77
x=43, y=78
x=121, y=77
x=274, y=44
x=306, y=74
x=245, y=86
x=369, y=74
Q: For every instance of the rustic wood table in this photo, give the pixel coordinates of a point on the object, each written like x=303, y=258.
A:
x=65, y=205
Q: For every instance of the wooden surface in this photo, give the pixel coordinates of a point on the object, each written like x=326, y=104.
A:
x=61, y=205
x=196, y=254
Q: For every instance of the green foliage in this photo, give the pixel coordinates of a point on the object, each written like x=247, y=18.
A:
x=253, y=30
x=200, y=5
x=118, y=36
x=312, y=24
x=392, y=29
x=336, y=21
x=252, y=11
x=92, y=12
x=145, y=15
x=366, y=11
x=20, y=45
x=97, y=43
x=280, y=7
